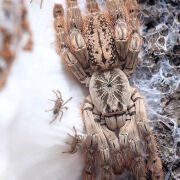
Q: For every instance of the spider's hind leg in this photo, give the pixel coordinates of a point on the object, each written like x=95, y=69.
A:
x=105, y=158
x=91, y=141
x=137, y=166
x=95, y=142
x=153, y=161
x=117, y=157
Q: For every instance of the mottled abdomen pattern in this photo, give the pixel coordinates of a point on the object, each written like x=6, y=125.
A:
x=100, y=43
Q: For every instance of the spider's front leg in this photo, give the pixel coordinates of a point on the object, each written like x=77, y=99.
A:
x=126, y=26
x=74, y=28
x=95, y=142
x=65, y=48
x=154, y=163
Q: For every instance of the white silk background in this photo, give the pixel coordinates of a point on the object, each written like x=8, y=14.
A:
x=30, y=147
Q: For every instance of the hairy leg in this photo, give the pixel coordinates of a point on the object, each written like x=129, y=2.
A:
x=132, y=149
x=133, y=51
x=137, y=166
x=135, y=38
x=92, y=6
x=91, y=141
x=154, y=162
x=105, y=158
x=74, y=28
x=120, y=18
x=117, y=159
x=95, y=142
x=64, y=48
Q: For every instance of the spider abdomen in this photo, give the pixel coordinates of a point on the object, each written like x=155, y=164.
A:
x=100, y=43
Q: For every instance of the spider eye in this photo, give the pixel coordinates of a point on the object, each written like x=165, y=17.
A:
x=131, y=10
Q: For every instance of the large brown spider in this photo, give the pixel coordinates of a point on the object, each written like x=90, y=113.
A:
x=101, y=50
x=58, y=106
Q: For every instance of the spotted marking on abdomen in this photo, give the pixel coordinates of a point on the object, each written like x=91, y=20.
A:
x=100, y=43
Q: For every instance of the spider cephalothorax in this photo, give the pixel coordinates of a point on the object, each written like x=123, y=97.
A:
x=101, y=51
x=110, y=91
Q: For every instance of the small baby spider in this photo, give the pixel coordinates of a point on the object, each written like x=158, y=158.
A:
x=59, y=105
x=77, y=141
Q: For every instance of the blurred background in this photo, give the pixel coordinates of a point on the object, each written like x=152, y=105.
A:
x=30, y=69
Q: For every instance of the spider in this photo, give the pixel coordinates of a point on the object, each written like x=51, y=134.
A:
x=101, y=50
x=59, y=105
x=76, y=143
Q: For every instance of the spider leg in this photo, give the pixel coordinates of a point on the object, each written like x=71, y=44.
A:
x=92, y=6
x=55, y=93
x=133, y=51
x=105, y=158
x=153, y=161
x=95, y=141
x=91, y=140
x=66, y=101
x=118, y=162
x=65, y=108
x=132, y=9
x=131, y=147
x=74, y=18
x=137, y=166
x=68, y=142
x=41, y=4
x=49, y=110
x=60, y=96
x=129, y=138
x=61, y=115
x=65, y=48
x=135, y=38
x=119, y=16
x=55, y=117
x=52, y=100
x=74, y=26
